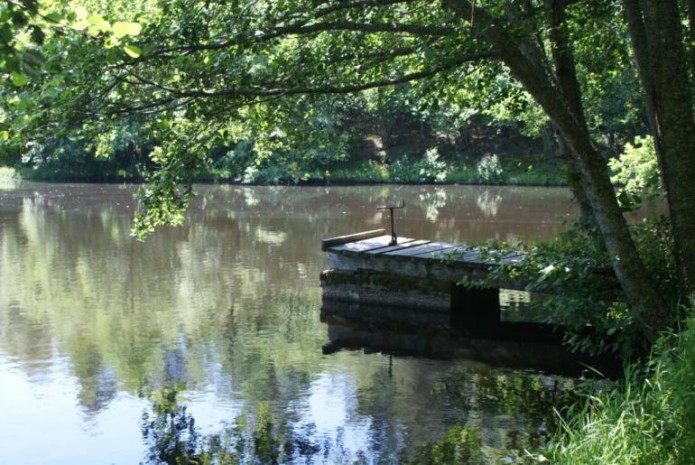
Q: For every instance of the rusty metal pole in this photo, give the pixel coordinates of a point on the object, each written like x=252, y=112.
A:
x=390, y=208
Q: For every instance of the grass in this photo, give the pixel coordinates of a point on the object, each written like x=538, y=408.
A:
x=95, y=171
x=649, y=419
x=646, y=419
x=428, y=169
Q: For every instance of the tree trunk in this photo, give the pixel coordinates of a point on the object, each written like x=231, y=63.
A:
x=657, y=40
x=574, y=180
x=690, y=5
x=627, y=264
x=566, y=78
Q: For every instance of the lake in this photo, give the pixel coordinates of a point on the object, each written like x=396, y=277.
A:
x=227, y=309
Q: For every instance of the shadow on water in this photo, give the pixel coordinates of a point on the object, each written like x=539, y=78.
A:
x=411, y=332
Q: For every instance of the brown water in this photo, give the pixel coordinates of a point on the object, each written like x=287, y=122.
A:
x=228, y=306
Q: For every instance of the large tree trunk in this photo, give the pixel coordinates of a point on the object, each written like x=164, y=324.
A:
x=627, y=264
x=574, y=180
x=657, y=41
x=690, y=5
x=566, y=77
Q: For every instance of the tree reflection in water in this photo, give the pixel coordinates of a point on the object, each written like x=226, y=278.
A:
x=497, y=430
x=173, y=439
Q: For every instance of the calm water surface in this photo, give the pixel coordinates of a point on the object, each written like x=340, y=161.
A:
x=228, y=306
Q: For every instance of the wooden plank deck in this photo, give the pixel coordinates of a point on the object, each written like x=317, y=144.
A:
x=416, y=275
x=414, y=284
x=416, y=257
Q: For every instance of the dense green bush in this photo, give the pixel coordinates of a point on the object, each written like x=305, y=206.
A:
x=578, y=291
x=490, y=169
x=636, y=173
x=426, y=169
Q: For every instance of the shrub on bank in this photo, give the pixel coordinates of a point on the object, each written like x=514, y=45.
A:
x=95, y=171
x=7, y=173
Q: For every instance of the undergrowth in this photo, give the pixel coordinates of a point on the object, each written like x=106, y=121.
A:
x=648, y=419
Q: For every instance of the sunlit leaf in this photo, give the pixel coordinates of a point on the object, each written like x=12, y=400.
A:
x=132, y=51
x=81, y=13
x=98, y=24
x=122, y=29
x=53, y=17
x=19, y=79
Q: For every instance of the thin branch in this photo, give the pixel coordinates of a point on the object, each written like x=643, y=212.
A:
x=252, y=96
x=339, y=89
x=412, y=29
x=302, y=27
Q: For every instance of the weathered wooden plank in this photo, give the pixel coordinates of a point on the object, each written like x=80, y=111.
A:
x=512, y=258
x=415, y=251
x=453, y=254
x=338, y=240
x=403, y=243
x=428, y=252
x=363, y=245
x=472, y=256
x=439, y=254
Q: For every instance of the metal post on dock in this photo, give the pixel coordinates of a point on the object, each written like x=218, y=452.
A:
x=390, y=208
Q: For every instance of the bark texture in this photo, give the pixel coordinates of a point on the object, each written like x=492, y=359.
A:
x=566, y=77
x=657, y=40
x=627, y=264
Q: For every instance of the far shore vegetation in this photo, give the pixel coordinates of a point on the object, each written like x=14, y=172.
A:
x=409, y=152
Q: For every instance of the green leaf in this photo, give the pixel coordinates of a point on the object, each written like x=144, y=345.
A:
x=53, y=17
x=122, y=29
x=19, y=79
x=98, y=24
x=132, y=51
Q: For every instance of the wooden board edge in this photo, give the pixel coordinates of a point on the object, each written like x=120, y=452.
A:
x=339, y=240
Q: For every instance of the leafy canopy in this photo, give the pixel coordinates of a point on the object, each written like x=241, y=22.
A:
x=198, y=75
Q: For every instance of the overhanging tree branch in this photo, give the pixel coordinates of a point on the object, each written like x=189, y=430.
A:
x=269, y=90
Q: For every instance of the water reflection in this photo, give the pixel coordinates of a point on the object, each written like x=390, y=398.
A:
x=432, y=201
x=229, y=306
x=489, y=203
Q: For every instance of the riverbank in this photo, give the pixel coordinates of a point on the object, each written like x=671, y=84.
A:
x=649, y=418
x=488, y=171
x=646, y=418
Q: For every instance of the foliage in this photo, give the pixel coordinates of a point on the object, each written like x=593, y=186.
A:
x=648, y=419
x=20, y=38
x=490, y=169
x=161, y=202
x=613, y=101
x=428, y=169
x=578, y=291
x=360, y=172
x=636, y=172
x=7, y=173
